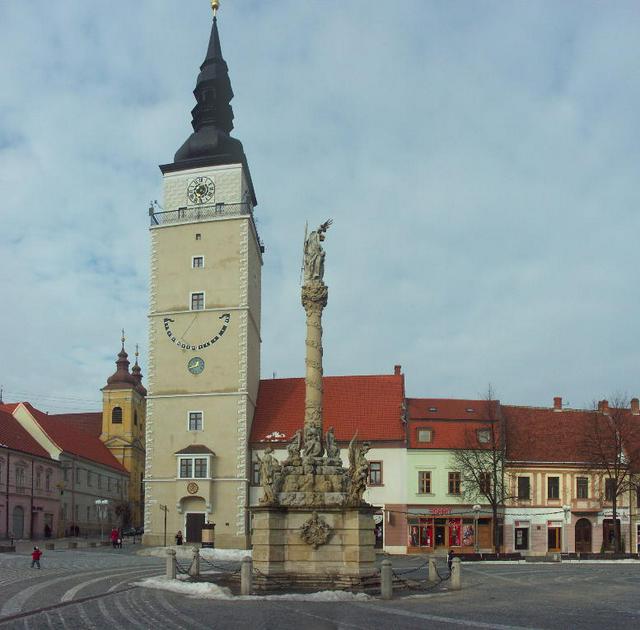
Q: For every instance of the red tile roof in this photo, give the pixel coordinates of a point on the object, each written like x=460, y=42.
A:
x=453, y=422
x=370, y=405
x=537, y=434
x=90, y=422
x=74, y=440
x=15, y=437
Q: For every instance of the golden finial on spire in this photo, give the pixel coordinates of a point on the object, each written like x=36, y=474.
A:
x=137, y=354
x=123, y=338
x=215, y=5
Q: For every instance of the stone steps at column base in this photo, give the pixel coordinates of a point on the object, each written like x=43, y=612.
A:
x=310, y=583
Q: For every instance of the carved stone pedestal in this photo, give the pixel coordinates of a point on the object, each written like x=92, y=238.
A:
x=325, y=547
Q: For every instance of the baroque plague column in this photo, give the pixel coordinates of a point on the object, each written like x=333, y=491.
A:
x=312, y=526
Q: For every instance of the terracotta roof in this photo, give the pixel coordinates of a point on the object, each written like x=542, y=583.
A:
x=446, y=409
x=90, y=422
x=536, y=434
x=370, y=405
x=74, y=440
x=195, y=449
x=15, y=437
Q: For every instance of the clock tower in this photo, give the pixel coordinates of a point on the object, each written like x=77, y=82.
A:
x=204, y=327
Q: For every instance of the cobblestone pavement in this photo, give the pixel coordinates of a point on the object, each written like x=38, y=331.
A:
x=95, y=589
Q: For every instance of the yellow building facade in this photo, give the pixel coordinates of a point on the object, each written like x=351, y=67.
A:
x=204, y=328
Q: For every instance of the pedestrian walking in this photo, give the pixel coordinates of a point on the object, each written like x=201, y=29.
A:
x=36, y=554
x=114, y=537
x=450, y=558
x=179, y=538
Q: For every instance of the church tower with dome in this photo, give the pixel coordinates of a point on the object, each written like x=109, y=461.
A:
x=204, y=326
x=123, y=427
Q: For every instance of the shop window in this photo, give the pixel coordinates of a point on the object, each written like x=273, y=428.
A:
x=521, y=538
x=582, y=487
x=485, y=482
x=553, y=487
x=425, y=435
x=375, y=473
x=421, y=532
x=454, y=483
x=524, y=488
x=116, y=415
x=609, y=489
x=424, y=482
x=455, y=531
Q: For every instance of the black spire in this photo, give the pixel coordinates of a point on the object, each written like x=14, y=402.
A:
x=210, y=143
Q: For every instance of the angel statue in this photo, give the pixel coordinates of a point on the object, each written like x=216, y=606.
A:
x=358, y=470
x=314, y=254
x=333, y=450
x=269, y=476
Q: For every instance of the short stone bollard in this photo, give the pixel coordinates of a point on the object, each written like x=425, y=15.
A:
x=433, y=570
x=194, y=569
x=171, y=564
x=456, y=577
x=246, y=576
x=386, y=580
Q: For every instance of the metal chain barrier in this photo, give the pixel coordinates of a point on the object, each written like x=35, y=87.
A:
x=222, y=569
x=180, y=569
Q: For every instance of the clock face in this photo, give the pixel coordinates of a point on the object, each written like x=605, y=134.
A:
x=200, y=190
x=195, y=365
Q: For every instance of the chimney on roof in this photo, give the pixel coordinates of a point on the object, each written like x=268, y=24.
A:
x=557, y=403
x=603, y=407
x=397, y=370
x=635, y=407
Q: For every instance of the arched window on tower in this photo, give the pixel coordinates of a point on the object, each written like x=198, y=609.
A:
x=116, y=415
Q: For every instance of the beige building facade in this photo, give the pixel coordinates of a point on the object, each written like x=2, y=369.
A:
x=204, y=328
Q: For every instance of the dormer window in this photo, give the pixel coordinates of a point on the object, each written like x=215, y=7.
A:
x=433, y=409
x=425, y=435
x=484, y=436
x=470, y=410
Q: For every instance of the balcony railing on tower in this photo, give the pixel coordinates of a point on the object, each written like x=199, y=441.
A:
x=190, y=214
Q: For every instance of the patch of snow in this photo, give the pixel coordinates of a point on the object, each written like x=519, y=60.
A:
x=207, y=590
x=274, y=436
x=186, y=552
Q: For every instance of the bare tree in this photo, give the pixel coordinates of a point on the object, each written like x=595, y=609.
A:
x=610, y=444
x=482, y=461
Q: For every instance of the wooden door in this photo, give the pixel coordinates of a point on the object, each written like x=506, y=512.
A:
x=484, y=536
x=583, y=535
x=554, y=537
x=194, y=527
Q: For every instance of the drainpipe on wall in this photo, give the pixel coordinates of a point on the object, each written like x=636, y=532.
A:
x=32, y=490
x=8, y=473
x=631, y=536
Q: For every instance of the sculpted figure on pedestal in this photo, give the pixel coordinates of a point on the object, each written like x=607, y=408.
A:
x=314, y=254
x=333, y=450
x=270, y=476
x=293, y=450
x=358, y=471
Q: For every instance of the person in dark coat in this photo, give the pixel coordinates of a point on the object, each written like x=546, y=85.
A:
x=179, y=538
x=450, y=558
x=36, y=554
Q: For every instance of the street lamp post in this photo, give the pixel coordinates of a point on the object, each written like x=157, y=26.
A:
x=165, y=509
x=101, y=506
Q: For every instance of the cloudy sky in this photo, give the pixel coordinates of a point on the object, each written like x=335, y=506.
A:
x=480, y=160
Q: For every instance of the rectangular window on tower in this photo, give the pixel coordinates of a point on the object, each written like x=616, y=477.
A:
x=375, y=473
x=197, y=262
x=195, y=421
x=197, y=301
x=186, y=468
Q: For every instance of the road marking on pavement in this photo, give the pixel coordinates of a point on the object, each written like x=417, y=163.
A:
x=72, y=592
x=452, y=620
x=117, y=585
x=493, y=575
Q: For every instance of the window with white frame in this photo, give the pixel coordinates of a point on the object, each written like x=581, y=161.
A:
x=193, y=467
x=197, y=262
x=197, y=301
x=195, y=421
x=425, y=434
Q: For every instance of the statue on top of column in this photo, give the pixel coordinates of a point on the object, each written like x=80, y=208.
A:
x=314, y=254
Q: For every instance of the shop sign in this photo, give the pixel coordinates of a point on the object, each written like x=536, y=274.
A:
x=437, y=511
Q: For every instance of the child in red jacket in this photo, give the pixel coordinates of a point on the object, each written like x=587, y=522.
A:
x=36, y=554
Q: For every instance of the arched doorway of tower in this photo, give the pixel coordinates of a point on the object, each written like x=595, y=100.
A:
x=18, y=521
x=583, y=535
x=195, y=516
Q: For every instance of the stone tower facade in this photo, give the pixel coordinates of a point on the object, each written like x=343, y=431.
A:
x=204, y=327
x=123, y=427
